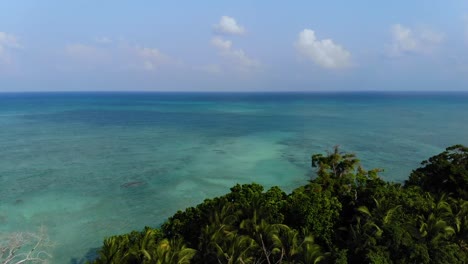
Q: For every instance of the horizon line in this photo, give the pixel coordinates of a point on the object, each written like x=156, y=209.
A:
x=235, y=91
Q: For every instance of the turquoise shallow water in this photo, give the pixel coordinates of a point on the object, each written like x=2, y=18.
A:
x=90, y=165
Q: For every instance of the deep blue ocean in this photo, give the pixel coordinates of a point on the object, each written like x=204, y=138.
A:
x=90, y=165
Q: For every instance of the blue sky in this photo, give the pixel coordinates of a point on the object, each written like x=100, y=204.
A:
x=233, y=45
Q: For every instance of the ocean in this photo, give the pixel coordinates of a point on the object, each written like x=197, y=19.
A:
x=90, y=165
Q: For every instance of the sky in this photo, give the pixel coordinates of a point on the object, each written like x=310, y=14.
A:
x=233, y=45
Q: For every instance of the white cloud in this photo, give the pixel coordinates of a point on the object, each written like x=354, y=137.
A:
x=243, y=60
x=431, y=36
x=151, y=58
x=228, y=25
x=8, y=42
x=403, y=39
x=118, y=56
x=221, y=44
x=407, y=40
x=236, y=56
x=323, y=52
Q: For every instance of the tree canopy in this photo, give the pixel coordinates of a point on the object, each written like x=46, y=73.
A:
x=343, y=215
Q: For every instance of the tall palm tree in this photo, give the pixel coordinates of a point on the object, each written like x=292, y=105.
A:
x=434, y=225
x=114, y=250
x=311, y=252
x=172, y=251
x=240, y=249
x=220, y=232
x=460, y=219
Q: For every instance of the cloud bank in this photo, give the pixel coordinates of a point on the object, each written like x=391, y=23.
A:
x=228, y=25
x=119, y=56
x=324, y=53
x=8, y=42
x=406, y=40
x=236, y=56
x=151, y=58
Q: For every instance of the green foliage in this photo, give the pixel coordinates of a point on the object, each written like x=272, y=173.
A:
x=336, y=171
x=246, y=198
x=314, y=211
x=146, y=247
x=444, y=173
x=344, y=215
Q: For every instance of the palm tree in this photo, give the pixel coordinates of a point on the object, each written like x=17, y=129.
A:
x=172, y=251
x=142, y=250
x=311, y=252
x=460, y=220
x=239, y=249
x=434, y=226
x=369, y=227
x=114, y=250
x=278, y=243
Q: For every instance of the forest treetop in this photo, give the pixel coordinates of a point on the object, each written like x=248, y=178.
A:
x=345, y=215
